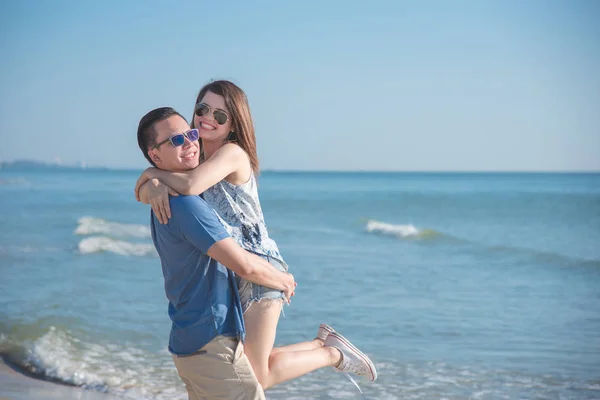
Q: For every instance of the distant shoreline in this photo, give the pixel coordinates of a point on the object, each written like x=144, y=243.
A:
x=37, y=165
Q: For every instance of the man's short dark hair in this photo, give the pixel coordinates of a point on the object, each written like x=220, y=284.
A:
x=146, y=134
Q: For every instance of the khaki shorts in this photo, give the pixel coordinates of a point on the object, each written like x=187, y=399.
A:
x=220, y=370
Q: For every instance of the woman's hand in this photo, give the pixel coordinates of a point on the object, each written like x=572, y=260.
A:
x=145, y=177
x=158, y=197
x=291, y=288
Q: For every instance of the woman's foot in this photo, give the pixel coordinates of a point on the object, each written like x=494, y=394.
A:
x=353, y=360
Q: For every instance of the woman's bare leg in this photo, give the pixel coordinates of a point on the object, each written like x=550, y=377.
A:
x=272, y=368
x=313, y=344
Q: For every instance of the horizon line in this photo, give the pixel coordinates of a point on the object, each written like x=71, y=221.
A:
x=83, y=166
x=43, y=164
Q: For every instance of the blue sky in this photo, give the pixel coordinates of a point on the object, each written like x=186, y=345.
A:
x=333, y=85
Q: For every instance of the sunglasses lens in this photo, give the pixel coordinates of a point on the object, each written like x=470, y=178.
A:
x=178, y=140
x=202, y=110
x=220, y=117
x=192, y=135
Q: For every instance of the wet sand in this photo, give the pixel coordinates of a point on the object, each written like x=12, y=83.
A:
x=16, y=386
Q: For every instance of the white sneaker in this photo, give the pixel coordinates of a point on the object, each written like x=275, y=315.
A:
x=324, y=331
x=353, y=360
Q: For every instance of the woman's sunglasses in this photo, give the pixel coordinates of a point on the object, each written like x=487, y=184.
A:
x=179, y=139
x=220, y=116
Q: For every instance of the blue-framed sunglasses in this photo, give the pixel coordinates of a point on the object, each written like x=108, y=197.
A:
x=179, y=139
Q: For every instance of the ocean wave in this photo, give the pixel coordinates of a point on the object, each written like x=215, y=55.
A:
x=92, y=226
x=121, y=369
x=124, y=369
x=399, y=231
x=545, y=257
x=97, y=244
x=412, y=232
x=28, y=249
x=15, y=181
x=436, y=380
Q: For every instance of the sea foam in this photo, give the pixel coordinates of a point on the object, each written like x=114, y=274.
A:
x=120, y=369
x=401, y=231
x=96, y=244
x=126, y=370
x=92, y=226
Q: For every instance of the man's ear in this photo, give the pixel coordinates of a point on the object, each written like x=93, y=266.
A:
x=153, y=156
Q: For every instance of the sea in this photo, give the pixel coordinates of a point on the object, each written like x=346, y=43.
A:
x=457, y=285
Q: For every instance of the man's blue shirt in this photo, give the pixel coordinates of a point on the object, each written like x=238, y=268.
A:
x=203, y=297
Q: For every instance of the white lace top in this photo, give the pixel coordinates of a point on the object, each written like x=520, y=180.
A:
x=238, y=207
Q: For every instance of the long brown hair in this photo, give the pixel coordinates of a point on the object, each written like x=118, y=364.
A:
x=239, y=112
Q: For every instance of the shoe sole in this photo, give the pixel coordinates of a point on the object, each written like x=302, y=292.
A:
x=328, y=329
x=366, y=359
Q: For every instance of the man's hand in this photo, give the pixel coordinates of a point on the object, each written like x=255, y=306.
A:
x=252, y=267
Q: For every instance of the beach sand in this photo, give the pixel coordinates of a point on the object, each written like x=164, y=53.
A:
x=16, y=386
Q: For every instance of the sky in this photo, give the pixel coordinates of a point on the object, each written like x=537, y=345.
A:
x=426, y=85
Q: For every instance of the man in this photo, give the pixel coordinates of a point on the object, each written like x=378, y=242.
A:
x=207, y=329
